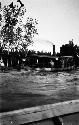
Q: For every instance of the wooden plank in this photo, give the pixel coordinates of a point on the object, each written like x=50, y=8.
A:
x=28, y=115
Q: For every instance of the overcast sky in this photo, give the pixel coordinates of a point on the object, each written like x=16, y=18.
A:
x=58, y=19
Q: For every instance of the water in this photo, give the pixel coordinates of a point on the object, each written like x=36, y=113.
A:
x=48, y=83
x=35, y=82
x=32, y=88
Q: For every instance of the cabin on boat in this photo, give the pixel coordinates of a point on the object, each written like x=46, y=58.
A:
x=44, y=61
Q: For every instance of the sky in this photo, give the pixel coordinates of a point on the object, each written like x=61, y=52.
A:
x=58, y=20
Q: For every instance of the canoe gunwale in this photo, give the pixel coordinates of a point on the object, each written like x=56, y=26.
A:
x=38, y=113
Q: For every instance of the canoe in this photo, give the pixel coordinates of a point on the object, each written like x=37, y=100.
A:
x=62, y=113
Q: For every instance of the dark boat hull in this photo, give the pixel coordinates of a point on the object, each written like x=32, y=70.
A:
x=56, y=69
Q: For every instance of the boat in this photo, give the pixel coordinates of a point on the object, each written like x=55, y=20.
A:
x=62, y=113
x=64, y=63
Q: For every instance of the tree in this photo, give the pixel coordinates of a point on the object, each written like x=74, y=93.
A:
x=13, y=33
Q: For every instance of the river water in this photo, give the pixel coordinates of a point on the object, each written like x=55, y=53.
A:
x=50, y=82
x=31, y=88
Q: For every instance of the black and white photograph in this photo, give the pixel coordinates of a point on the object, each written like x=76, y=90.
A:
x=39, y=62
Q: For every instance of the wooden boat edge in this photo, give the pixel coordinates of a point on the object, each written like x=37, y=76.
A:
x=38, y=113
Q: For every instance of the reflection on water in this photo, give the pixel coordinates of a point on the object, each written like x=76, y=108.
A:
x=37, y=82
x=48, y=83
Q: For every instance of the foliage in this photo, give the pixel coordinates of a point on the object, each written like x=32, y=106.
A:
x=13, y=32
